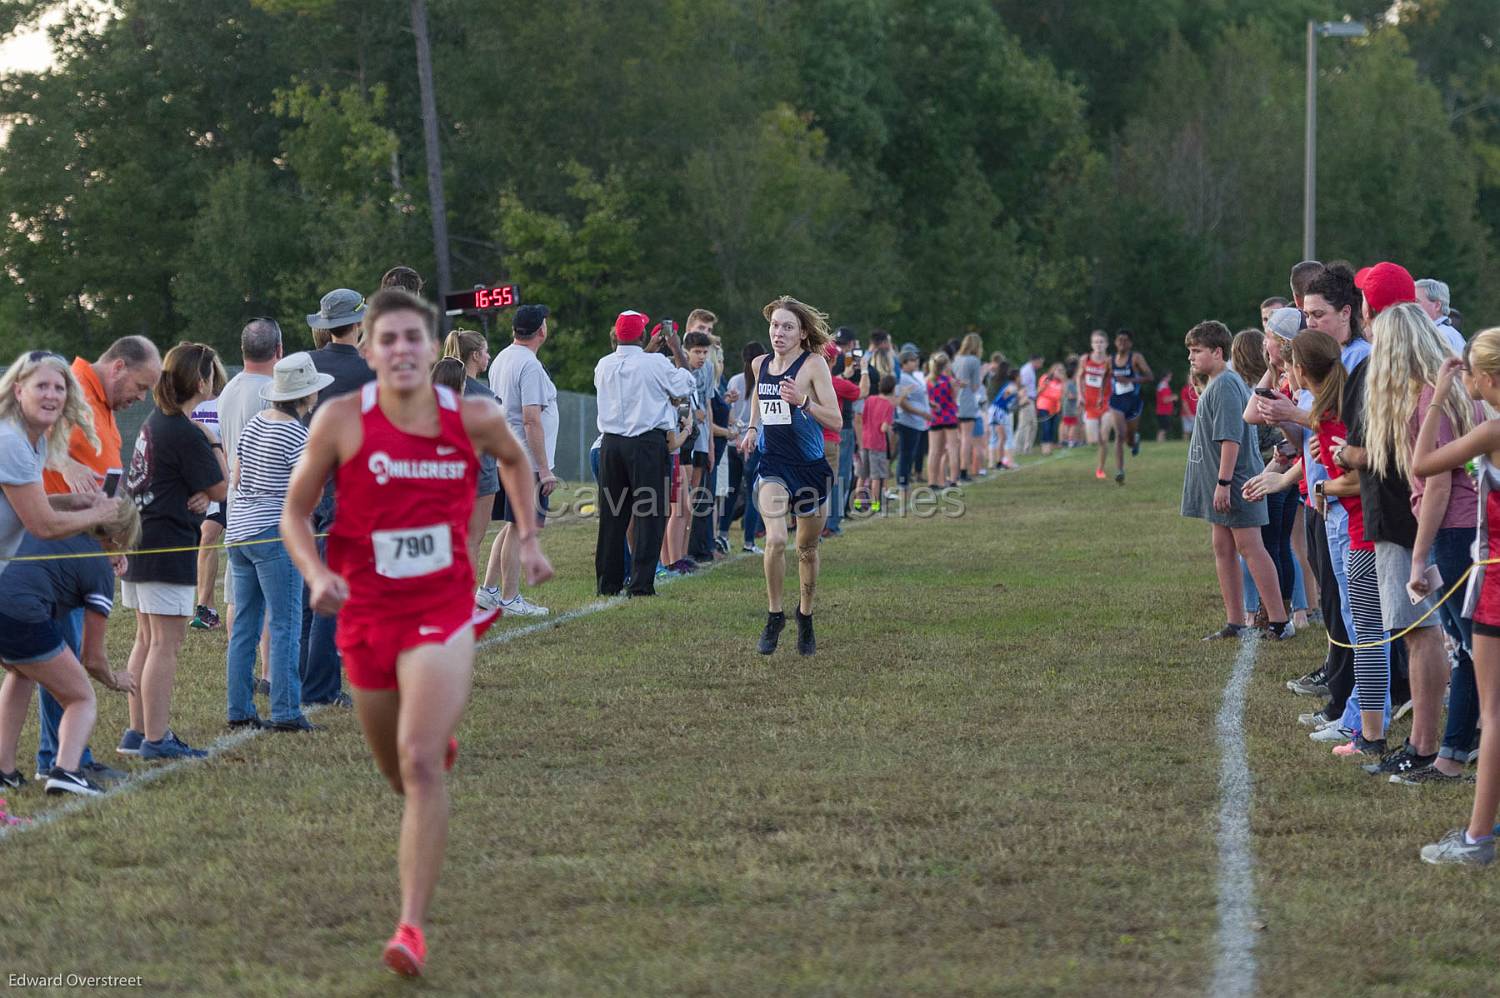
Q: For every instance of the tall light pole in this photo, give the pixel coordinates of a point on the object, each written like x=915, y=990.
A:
x=1327, y=29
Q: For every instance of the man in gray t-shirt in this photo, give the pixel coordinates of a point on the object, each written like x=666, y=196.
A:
x=1222, y=456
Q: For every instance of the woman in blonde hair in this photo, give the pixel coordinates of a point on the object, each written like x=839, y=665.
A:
x=40, y=403
x=1406, y=356
x=177, y=468
x=473, y=351
x=1474, y=845
x=968, y=376
x=1405, y=361
x=942, y=435
x=35, y=596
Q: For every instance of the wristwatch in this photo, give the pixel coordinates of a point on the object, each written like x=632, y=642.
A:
x=1226, y=483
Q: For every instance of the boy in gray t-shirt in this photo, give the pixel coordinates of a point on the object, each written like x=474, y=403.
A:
x=1222, y=456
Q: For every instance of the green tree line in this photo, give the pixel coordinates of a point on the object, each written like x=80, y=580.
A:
x=1030, y=169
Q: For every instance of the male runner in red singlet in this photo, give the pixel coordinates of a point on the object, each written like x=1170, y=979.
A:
x=404, y=456
x=1093, y=388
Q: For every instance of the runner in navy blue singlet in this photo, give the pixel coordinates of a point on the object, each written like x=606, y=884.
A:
x=793, y=402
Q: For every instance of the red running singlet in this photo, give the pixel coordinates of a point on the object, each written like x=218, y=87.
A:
x=400, y=533
x=1095, y=387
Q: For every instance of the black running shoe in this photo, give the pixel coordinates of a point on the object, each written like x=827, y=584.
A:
x=1224, y=633
x=1400, y=761
x=807, y=644
x=13, y=781
x=1120, y=477
x=60, y=781
x=1373, y=747
x=772, y=634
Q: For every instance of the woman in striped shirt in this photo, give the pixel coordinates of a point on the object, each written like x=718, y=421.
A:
x=264, y=576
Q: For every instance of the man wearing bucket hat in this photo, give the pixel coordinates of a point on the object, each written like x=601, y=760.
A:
x=340, y=313
x=264, y=578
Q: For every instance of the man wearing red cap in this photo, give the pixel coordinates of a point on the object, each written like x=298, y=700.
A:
x=634, y=391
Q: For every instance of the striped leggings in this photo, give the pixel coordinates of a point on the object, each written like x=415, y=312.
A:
x=1372, y=666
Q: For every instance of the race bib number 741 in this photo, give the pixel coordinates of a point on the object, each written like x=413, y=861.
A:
x=775, y=412
x=412, y=551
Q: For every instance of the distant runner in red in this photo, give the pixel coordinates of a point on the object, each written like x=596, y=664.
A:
x=405, y=458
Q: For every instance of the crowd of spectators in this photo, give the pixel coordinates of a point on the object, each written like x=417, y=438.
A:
x=1353, y=421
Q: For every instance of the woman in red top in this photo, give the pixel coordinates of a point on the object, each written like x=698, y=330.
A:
x=942, y=435
x=1317, y=366
x=1049, y=394
x=405, y=458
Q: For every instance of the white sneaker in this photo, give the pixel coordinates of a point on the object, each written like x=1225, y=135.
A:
x=521, y=607
x=488, y=599
x=1314, y=719
x=752, y=549
x=1334, y=732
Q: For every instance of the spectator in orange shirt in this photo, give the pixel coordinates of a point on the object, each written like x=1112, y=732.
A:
x=120, y=378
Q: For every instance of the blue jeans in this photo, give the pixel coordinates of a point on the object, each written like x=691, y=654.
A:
x=49, y=712
x=264, y=579
x=844, y=478
x=1451, y=555
x=1276, y=535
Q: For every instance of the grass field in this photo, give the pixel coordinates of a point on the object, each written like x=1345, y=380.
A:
x=998, y=776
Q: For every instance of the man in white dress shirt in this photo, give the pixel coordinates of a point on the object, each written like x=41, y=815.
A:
x=635, y=391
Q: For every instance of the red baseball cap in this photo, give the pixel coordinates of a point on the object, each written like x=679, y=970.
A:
x=631, y=326
x=1384, y=285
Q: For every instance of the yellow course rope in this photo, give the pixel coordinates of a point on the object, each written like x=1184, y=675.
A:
x=132, y=554
x=1418, y=623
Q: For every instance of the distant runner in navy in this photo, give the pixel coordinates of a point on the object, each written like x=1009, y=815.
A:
x=794, y=401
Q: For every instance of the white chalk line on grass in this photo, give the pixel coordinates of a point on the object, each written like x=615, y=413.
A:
x=235, y=739
x=1234, y=959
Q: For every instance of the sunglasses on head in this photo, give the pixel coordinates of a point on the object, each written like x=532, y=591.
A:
x=38, y=355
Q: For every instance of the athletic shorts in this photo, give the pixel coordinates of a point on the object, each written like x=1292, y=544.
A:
x=1070, y=420
x=23, y=642
x=1393, y=571
x=370, y=648
x=165, y=599
x=807, y=484
x=873, y=463
x=503, y=511
x=219, y=515
x=1130, y=404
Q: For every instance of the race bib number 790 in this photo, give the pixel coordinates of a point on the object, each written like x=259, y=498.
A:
x=775, y=412
x=412, y=551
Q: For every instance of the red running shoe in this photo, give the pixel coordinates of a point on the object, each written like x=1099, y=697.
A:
x=451, y=756
x=406, y=952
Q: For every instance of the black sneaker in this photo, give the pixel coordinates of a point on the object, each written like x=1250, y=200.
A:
x=1401, y=760
x=772, y=634
x=245, y=722
x=1373, y=747
x=13, y=781
x=298, y=723
x=102, y=774
x=807, y=644
x=1224, y=633
x=60, y=781
x=1425, y=775
x=1314, y=684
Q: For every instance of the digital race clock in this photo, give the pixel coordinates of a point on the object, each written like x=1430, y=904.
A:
x=483, y=299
